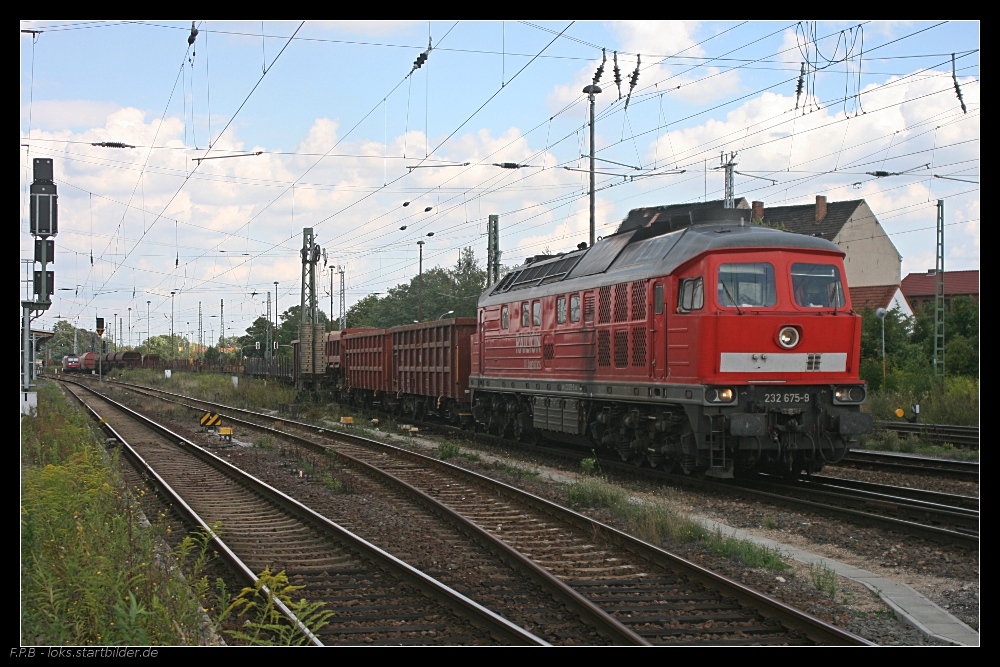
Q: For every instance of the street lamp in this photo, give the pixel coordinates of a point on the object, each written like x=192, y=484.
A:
x=441, y=316
x=130, y=326
x=881, y=313
x=147, y=325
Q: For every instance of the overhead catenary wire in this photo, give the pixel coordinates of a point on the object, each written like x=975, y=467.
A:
x=463, y=191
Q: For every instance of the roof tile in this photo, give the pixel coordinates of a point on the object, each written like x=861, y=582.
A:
x=955, y=282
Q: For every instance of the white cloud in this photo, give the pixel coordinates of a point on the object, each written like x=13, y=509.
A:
x=68, y=114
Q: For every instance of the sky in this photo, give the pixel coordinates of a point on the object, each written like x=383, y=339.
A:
x=257, y=130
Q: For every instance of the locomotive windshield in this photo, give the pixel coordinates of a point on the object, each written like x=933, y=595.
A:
x=747, y=285
x=817, y=286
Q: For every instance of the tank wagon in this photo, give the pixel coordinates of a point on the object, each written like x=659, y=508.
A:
x=711, y=347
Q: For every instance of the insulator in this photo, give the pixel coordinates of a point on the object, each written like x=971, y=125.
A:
x=600, y=68
x=428, y=209
x=194, y=33
x=618, y=76
x=406, y=203
x=403, y=228
x=635, y=75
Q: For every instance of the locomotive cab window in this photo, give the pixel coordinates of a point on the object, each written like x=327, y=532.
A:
x=525, y=314
x=561, y=310
x=747, y=285
x=574, y=308
x=658, y=298
x=691, y=295
x=817, y=286
x=505, y=318
x=536, y=313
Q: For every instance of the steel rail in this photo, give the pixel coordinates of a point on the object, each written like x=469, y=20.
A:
x=815, y=629
x=892, y=462
x=478, y=615
x=935, y=497
x=193, y=517
x=963, y=522
x=608, y=625
x=959, y=436
x=932, y=532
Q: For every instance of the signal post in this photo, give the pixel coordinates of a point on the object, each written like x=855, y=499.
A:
x=44, y=224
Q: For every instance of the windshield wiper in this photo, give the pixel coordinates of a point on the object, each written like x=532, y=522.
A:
x=731, y=299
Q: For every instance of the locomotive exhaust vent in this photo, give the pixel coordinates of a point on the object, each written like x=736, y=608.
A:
x=813, y=362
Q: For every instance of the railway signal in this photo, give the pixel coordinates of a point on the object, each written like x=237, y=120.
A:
x=43, y=224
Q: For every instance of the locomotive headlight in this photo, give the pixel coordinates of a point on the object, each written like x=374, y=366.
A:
x=788, y=337
x=713, y=395
x=855, y=394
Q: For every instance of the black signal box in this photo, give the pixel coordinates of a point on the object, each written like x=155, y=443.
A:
x=45, y=251
x=44, y=209
x=42, y=169
x=44, y=284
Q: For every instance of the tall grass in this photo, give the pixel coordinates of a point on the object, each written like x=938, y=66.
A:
x=956, y=402
x=658, y=523
x=249, y=393
x=89, y=573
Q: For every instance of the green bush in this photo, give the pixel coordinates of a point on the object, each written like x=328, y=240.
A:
x=447, y=450
x=89, y=571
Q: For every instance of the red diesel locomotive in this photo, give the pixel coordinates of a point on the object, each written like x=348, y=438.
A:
x=711, y=347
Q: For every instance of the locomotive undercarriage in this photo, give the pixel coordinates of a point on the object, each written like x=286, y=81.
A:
x=692, y=438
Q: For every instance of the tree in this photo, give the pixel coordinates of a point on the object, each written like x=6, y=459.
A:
x=256, y=333
x=961, y=335
x=61, y=342
x=456, y=289
x=900, y=352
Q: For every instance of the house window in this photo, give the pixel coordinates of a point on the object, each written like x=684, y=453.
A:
x=561, y=310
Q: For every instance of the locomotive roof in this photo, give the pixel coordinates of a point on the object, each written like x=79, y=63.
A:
x=641, y=253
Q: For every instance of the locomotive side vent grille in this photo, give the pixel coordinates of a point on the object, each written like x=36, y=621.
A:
x=549, y=351
x=604, y=312
x=621, y=302
x=621, y=349
x=588, y=309
x=639, y=346
x=639, y=300
x=604, y=348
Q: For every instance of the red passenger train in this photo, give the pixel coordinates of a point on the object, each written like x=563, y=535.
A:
x=709, y=347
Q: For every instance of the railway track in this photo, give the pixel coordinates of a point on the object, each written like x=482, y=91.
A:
x=657, y=596
x=938, y=517
x=866, y=460
x=375, y=597
x=893, y=506
x=939, y=434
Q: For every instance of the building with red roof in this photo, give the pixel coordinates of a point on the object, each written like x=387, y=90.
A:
x=919, y=288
